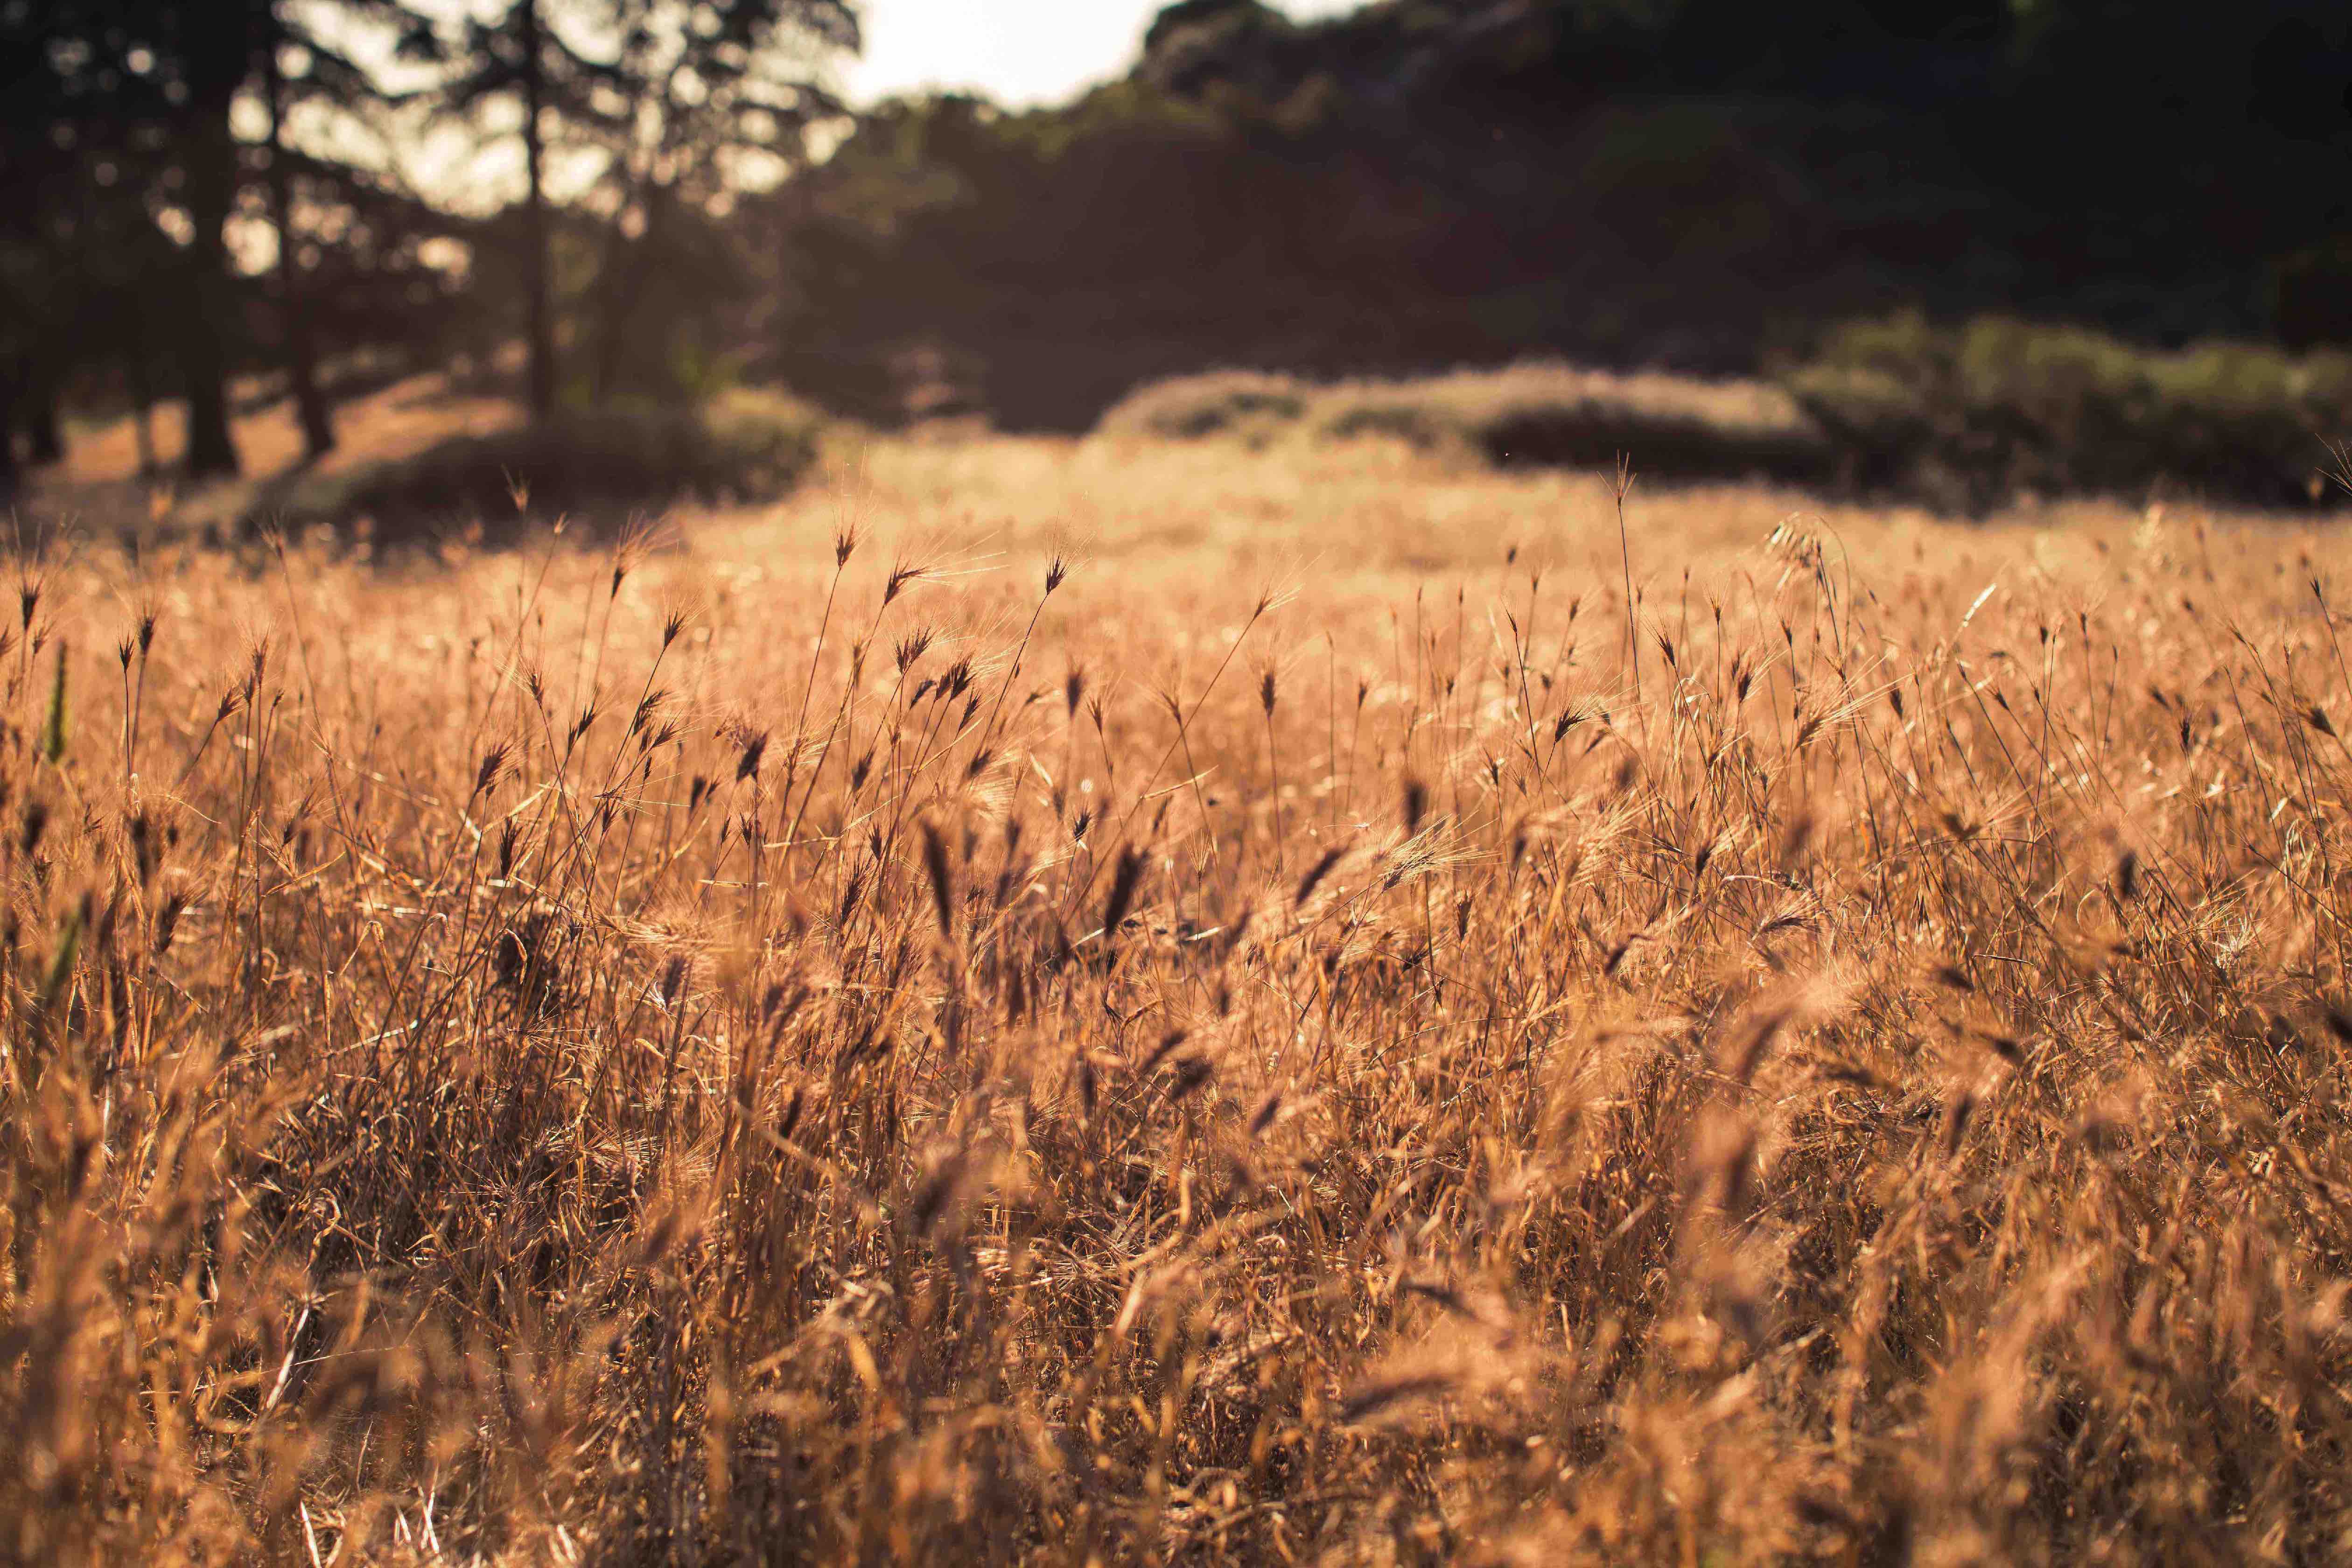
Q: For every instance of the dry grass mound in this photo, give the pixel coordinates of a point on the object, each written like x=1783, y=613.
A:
x=1253, y=405
x=1551, y=415
x=528, y=1063
x=1533, y=415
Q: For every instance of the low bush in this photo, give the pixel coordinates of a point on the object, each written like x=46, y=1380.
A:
x=1556, y=416
x=1971, y=416
x=1532, y=414
x=1247, y=404
x=596, y=467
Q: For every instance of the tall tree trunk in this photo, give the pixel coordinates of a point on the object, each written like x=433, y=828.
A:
x=627, y=264
x=211, y=191
x=293, y=305
x=44, y=441
x=142, y=402
x=11, y=387
x=540, y=326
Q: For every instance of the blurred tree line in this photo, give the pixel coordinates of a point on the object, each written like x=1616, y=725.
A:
x=296, y=196
x=205, y=197
x=1707, y=184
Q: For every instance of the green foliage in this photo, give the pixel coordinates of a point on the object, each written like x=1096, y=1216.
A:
x=1970, y=415
x=595, y=467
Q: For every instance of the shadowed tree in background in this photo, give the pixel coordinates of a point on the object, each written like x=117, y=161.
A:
x=119, y=123
x=525, y=58
x=295, y=66
x=129, y=108
x=87, y=276
x=711, y=99
x=71, y=168
x=161, y=79
x=27, y=156
x=681, y=103
x=208, y=52
x=271, y=48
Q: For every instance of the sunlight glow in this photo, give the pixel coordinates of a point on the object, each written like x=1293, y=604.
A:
x=1017, y=52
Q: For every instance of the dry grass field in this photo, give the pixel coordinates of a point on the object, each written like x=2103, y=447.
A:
x=1129, y=1001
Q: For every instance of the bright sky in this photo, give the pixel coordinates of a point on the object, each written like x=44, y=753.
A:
x=1014, y=51
x=1019, y=53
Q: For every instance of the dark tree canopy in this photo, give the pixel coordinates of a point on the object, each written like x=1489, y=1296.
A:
x=129, y=274
x=1694, y=183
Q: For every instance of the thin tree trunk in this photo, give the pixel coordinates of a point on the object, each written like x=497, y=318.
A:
x=211, y=191
x=540, y=326
x=142, y=402
x=626, y=267
x=44, y=441
x=294, y=307
x=11, y=382
x=139, y=381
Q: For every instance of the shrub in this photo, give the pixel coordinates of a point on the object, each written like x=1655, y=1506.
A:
x=1671, y=427
x=1391, y=414
x=1970, y=415
x=1244, y=402
x=595, y=467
